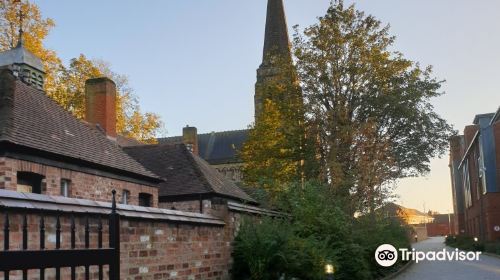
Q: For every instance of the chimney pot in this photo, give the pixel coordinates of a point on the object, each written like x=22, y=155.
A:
x=100, y=104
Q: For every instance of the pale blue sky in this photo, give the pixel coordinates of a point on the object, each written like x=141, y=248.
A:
x=194, y=61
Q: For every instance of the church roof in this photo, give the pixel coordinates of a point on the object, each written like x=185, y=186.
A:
x=32, y=123
x=217, y=147
x=20, y=55
x=185, y=174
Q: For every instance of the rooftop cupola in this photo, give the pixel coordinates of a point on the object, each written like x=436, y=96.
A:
x=24, y=64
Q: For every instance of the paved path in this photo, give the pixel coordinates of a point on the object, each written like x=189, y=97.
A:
x=485, y=269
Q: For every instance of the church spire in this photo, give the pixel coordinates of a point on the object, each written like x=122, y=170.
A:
x=276, y=53
x=276, y=40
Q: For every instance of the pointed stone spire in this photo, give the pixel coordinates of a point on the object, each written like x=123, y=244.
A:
x=276, y=41
x=276, y=51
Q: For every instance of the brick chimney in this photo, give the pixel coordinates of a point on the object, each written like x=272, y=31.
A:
x=100, y=104
x=190, y=138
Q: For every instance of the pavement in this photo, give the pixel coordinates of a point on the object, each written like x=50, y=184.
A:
x=487, y=268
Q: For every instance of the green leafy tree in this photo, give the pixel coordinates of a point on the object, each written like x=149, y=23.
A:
x=368, y=106
x=66, y=84
x=276, y=151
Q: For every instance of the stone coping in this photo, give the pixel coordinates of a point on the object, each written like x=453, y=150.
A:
x=239, y=207
x=31, y=201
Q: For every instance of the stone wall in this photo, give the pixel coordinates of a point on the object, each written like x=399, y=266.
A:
x=82, y=185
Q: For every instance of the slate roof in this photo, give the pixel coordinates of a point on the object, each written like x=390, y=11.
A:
x=31, y=120
x=32, y=201
x=216, y=147
x=185, y=174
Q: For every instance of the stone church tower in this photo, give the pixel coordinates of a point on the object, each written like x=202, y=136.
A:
x=276, y=51
x=221, y=149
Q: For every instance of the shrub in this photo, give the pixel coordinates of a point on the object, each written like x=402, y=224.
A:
x=492, y=247
x=465, y=243
x=319, y=231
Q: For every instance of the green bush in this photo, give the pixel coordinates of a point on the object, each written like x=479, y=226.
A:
x=465, y=243
x=269, y=249
x=492, y=247
x=318, y=232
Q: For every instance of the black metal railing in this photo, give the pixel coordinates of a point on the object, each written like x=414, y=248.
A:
x=24, y=260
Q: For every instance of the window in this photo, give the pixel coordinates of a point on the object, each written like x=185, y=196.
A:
x=65, y=187
x=145, y=199
x=29, y=182
x=125, y=197
x=466, y=180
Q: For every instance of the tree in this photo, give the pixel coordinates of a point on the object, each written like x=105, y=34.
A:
x=369, y=106
x=66, y=84
x=16, y=15
x=275, y=152
x=130, y=122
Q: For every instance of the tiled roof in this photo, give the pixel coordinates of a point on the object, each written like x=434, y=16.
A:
x=31, y=201
x=183, y=172
x=30, y=119
x=217, y=147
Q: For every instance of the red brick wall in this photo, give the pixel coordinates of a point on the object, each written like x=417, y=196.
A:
x=440, y=229
x=149, y=249
x=492, y=215
x=83, y=185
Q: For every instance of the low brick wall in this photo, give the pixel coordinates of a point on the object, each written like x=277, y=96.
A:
x=154, y=243
x=159, y=250
x=149, y=249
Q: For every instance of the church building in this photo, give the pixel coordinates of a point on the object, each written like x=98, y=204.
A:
x=221, y=149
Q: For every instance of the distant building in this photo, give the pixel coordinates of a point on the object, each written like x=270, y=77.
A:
x=475, y=177
x=409, y=215
x=219, y=149
x=442, y=224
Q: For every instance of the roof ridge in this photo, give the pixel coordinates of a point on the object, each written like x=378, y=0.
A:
x=197, y=168
x=207, y=133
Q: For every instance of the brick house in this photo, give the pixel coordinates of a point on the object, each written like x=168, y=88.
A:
x=179, y=214
x=475, y=177
x=191, y=184
x=45, y=150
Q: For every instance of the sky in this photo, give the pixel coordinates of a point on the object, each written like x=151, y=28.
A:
x=194, y=62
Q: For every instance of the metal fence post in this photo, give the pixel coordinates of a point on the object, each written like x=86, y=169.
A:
x=114, y=240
